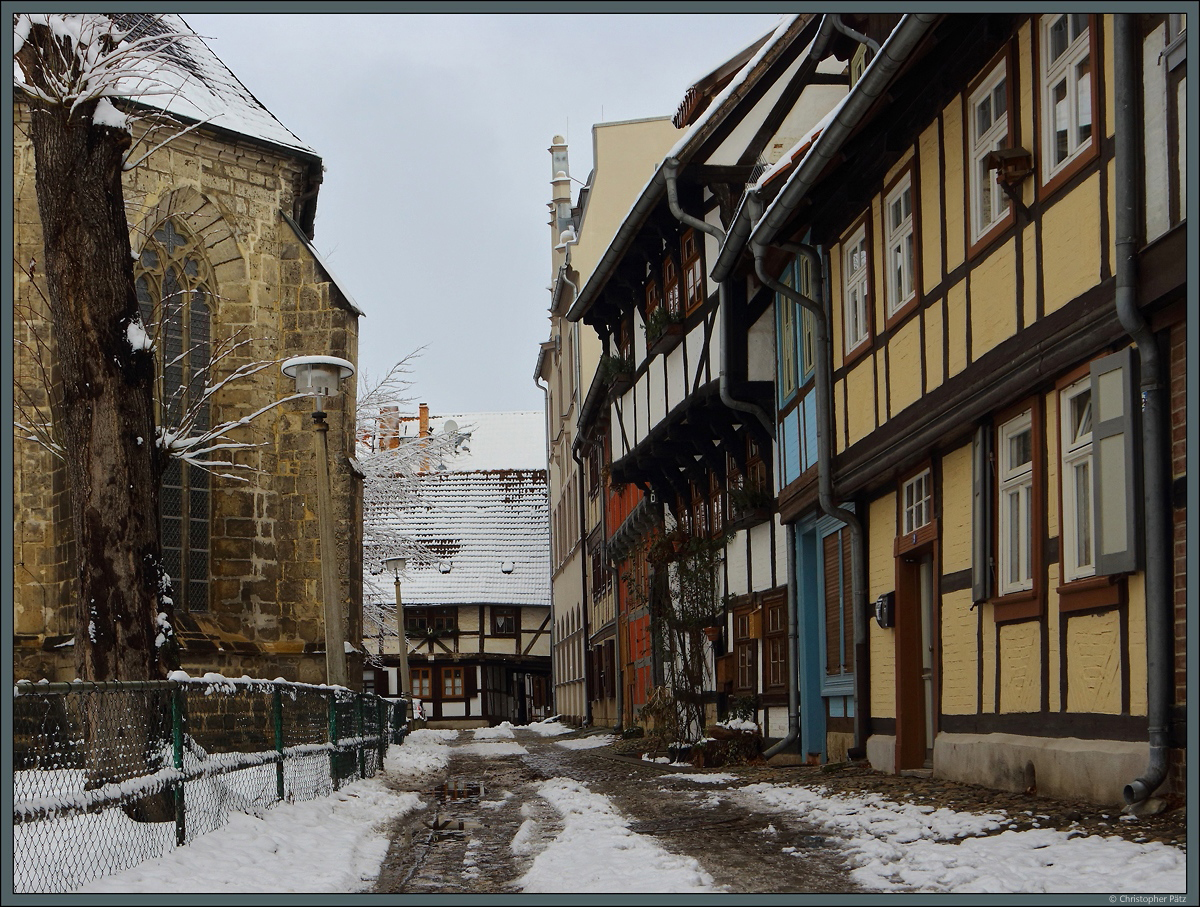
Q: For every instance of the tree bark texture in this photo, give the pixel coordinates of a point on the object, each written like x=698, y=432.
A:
x=107, y=388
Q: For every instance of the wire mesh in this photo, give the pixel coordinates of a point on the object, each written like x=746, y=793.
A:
x=107, y=775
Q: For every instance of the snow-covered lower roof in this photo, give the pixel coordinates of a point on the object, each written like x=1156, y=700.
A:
x=482, y=513
x=489, y=533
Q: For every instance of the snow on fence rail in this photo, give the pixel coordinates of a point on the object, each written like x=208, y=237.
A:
x=106, y=775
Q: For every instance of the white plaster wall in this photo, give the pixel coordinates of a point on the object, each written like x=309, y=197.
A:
x=761, y=347
x=1154, y=81
x=762, y=553
x=676, y=378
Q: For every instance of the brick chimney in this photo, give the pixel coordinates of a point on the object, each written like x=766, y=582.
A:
x=424, y=433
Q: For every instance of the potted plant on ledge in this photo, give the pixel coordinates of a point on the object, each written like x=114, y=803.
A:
x=616, y=372
x=664, y=330
x=750, y=504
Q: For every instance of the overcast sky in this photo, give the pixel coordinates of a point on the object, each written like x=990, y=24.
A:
x=434, y=132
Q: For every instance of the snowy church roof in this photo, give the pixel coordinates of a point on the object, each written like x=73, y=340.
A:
x=483, y=514
x=185, y=79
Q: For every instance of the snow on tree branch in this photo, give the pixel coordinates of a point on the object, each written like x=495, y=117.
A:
x=87, y=57
x=392, y=466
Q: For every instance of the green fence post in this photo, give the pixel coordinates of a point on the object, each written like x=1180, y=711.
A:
x=277, y=709
x=333, y=739
x=381, y=721
x=177, y=758
x=362, y=736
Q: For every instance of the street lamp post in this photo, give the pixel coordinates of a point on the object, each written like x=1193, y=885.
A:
x=320, y=377
x=395, y=566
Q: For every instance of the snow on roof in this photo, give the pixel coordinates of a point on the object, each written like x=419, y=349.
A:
x=483, y=514
x=208, y=89
x=514, y=440
x=489, y=533
x=796, y=153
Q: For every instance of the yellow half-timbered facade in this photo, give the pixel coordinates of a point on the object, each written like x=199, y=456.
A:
x=980, y=283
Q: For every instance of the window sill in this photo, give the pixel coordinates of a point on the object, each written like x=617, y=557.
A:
x=902, y=313
x=992, y=235
x=853, y=356
x=1093, y=592
x=1068, y=170
x=1017, y=606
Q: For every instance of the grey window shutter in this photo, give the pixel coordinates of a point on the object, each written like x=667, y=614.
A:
x=981, y=515
x=1116, y=476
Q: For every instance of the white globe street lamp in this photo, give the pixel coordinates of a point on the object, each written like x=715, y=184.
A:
x=321, y=376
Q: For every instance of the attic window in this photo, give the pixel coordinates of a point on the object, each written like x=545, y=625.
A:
x=506, y=566
x=444, y=566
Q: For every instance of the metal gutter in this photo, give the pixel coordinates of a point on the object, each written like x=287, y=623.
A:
x=653, y=192
x=892, y=55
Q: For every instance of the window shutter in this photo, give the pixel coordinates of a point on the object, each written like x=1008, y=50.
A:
x=1115, y=474
x=470, y=680
x=981, y=515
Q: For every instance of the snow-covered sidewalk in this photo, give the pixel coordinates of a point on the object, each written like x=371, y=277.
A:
x=905, y=847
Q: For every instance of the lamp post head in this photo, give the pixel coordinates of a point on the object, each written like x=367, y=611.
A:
x=395, y=566
x=318, y=375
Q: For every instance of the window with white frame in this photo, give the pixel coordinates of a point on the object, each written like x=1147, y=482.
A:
x=901, y=245
x=1078, y=508
x=989, y=132
x=855, y=289
x=918, y=502
x=1066, y=86
x=1015, y=474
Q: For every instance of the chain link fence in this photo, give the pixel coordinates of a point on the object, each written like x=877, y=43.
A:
x=106, y=775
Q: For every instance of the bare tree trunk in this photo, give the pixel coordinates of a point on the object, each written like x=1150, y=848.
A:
x=108, y=387
x=108, y=424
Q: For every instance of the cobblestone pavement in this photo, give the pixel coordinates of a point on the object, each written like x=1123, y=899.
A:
x=460, y=842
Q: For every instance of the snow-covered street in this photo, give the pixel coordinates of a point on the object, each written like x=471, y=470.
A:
x=543, y=809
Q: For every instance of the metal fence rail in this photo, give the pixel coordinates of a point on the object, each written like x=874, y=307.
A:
x=106, y=775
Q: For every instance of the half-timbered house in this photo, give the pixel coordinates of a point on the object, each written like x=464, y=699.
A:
x=476, y=598
x=680, y=413
x=584, y=621
x=980, y=397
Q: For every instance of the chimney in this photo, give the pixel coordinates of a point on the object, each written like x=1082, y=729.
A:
x=424, y=421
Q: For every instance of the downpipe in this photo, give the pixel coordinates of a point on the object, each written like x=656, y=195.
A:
x=725, y=382
x=587, y=700
x=1159, y=655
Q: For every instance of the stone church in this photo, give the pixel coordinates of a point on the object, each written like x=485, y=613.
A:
x=221, y=219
